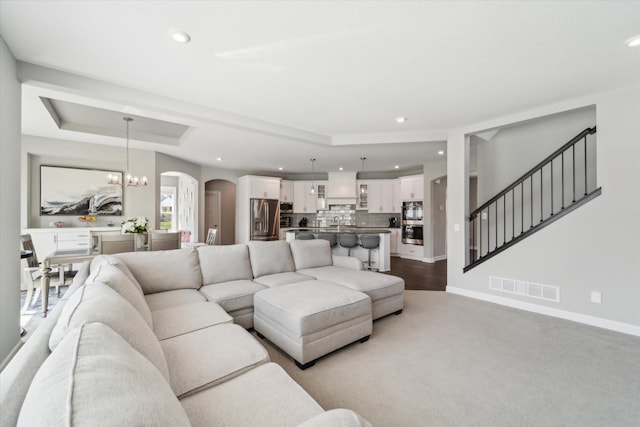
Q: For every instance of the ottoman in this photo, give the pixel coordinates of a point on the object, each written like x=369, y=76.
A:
x=310, y=319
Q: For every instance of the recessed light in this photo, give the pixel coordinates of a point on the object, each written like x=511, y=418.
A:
x=396, y=167
x=634, y=41
x=341, y=168
x=181, y=37
x=401, y=119
x=219, y=159
x=280, y=168
x=441, y=152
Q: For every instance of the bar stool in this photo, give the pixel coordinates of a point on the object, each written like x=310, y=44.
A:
x=348, y=240
x=304, y=236
x=370, y=241
x=331, y=237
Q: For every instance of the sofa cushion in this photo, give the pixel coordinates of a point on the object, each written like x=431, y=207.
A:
x=224, y=263
x=233, y=295
x=99, y=303
x=159, y=271
x=117, y=280
x=95, y=378
x=336, y=417
x=174, y=321
x=280, y=279
x=270, y=257
x=173, y=298
x=376, y=285
x=311, y=253
x=116, y=262
x=209, y=356
x=264, y=396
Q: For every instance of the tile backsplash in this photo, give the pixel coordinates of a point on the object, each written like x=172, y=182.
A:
x=348, y=216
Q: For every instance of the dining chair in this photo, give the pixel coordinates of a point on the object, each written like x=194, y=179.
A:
x=117, y=243
x=96, y=238
x=32, y=272
x=162, y=241
x=211, y=236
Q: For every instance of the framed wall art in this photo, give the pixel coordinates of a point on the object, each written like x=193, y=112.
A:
x=77, y=191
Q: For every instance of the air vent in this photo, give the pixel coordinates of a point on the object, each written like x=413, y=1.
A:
x=527, y=289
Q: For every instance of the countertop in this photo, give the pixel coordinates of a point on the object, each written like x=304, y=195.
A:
x=346, y=229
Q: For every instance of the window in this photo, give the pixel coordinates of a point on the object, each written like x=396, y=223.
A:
x=168, y=218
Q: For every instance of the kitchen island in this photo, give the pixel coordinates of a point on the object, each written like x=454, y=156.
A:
x=380, y=257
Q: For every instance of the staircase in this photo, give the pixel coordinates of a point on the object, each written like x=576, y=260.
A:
x=559, y=184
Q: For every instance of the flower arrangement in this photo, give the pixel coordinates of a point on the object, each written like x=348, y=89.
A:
x=137, y=225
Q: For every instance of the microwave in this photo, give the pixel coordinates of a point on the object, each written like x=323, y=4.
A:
x=286, y=207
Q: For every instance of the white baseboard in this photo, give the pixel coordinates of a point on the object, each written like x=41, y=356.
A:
x=612, y=325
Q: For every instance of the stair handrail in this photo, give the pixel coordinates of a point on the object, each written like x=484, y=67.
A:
x=525, y=176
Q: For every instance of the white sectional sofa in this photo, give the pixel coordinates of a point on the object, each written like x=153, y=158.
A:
x=160, y=338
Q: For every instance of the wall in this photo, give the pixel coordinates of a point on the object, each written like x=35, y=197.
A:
x=431, y=171
x=36, y=151
x=439, y=217
x=227, y=210
x=593, y=249
x=10, y=120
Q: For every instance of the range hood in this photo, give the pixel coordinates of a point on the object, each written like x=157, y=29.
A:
x=342, y=188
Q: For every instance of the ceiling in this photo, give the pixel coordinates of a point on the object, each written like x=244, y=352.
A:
x=264, y=85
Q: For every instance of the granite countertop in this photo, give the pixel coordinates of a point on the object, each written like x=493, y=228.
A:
x=346, y=229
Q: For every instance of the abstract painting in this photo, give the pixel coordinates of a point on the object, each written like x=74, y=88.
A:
x=76, y=191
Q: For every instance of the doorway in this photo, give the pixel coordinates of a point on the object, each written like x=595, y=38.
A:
x=179, y=204
x=220, y=210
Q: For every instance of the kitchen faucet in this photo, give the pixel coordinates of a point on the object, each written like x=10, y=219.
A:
x=337, y=219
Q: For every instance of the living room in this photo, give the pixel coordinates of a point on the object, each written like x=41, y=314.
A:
x=559, y=70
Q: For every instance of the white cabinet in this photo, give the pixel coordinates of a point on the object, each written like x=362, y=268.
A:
x=49, y=240
x=412, y=187
x=74, y=240
x=303, y=200
x=394, y=239
x=342, y=185
x=286, y=191
x=411, y=251
x=321, y=194
x=45, y=241
x=380, y=196
x=397, y=197
x=261, y=187
x=363, y=195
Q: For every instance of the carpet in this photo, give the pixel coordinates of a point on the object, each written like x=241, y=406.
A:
x=449, y=360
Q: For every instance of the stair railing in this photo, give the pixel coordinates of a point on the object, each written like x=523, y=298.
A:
x=548, y=191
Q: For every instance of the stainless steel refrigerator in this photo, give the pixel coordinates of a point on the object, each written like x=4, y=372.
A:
x=265, y=219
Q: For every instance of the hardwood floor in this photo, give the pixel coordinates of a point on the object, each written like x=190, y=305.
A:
x=420, y=275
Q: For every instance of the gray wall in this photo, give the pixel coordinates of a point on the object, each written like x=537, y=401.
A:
x=594, y=248
x=10, y=107
x=439, y=216
x=227, y=191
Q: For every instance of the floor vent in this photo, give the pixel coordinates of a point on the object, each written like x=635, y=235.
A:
x=527, y=289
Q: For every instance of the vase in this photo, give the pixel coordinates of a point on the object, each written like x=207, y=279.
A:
x=142, y=241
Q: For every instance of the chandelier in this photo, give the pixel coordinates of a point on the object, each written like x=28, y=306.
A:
x=362, y=187
x=130, y=181
x=312, y=191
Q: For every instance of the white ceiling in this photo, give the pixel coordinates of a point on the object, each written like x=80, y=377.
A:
x=269, y=84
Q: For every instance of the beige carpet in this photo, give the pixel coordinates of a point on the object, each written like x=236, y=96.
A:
x=448, y=360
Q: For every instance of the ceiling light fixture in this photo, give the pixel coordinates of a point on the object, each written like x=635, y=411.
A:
x=181, y=37
x=280, y=168
x=341, y=168
x=634, y=41
x=396, y=167
x=401, y=119
x=441, y=152
x=312, y=191
x=130, y=181
x=219, y=159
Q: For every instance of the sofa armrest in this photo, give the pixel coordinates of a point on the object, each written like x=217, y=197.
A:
x=349, y=262
x=338, y=418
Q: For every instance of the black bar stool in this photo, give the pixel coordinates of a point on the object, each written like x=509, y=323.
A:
x=331, y=237
x=304, y=236
x=348, y=240
x=370, y=241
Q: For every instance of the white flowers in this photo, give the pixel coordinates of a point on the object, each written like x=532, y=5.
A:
x=136, y=225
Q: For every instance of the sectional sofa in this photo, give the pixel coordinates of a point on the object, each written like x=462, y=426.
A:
x=160, y=338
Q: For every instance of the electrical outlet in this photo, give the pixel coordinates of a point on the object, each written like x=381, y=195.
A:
x=596, y=297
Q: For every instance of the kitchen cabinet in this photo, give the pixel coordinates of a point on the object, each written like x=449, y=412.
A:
x=261, y=187
x=412, y=187
x=397, y=197
x=415, y=252
x=321, y=194
x=286, y=191
x=303, y=201
x=394, y=240
x=363, y=196
x=380, y=196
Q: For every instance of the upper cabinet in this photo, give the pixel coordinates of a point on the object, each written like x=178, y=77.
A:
x=381, y=195
x=261, y=187
x=341, y=185
x=286, y=191
x=303, y=200
x=397, y=197
x=412, y=187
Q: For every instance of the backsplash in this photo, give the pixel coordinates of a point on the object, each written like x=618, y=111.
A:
x=366, y=219
x=345, y=213
x=348, y=216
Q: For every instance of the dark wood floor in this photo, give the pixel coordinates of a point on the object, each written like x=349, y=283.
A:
x=420, y=275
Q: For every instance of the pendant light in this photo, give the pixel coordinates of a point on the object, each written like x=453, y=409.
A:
x=312, y=191
x=130, y=181
x=362, y=187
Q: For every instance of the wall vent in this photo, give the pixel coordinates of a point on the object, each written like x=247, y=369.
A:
x=527, y=289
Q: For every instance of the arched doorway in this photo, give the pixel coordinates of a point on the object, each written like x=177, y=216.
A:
x=179, y=203
x=220, y=210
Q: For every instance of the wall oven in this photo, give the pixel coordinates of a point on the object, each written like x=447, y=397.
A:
x=412, y=223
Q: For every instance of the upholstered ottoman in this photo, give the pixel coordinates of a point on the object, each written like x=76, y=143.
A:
x=310, y=319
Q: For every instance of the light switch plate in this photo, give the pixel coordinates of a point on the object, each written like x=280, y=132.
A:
x=596, y=297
